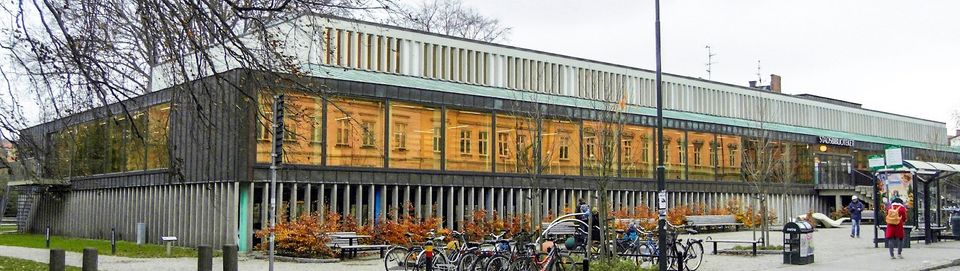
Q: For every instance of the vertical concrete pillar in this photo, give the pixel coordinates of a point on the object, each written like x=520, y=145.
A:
x=358, y=212
x=294, y=196
x=471, y=203
x=308, y=199
x=429, y=202
x=460, y=207
x=346, y=200
x=500, y=208
x=321, y=201
x=510, y=203
x=418, y=203
x=450, y=208
x=334, y=198
x=396, y=202
x=406, y=201
x=371, y=204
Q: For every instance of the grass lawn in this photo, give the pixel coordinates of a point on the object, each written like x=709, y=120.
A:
x=124, y=249
x=25, y=265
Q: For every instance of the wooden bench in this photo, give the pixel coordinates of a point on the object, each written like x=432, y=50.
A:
x=867, y=215
x=348, y=248
x=703, y=221
x=752, y=242
x=561, y=228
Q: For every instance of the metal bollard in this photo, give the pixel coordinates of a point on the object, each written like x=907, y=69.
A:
x=204, y=258
x=586, y=264
x=113, y=241
x=230, y=258
x=58, y=260
x=428, y=252
x=89, y=259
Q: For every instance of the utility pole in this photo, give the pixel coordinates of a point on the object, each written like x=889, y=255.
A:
x=661, y=171
x=710, y=63
x=275, y=164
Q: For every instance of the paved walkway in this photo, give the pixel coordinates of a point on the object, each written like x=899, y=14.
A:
x=834, y=250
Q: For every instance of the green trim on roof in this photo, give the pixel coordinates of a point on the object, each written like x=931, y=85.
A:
x=493, y=92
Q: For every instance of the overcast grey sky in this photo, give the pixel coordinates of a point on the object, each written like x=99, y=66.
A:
x=896, y=56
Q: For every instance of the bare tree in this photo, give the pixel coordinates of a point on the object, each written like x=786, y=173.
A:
x=70, y=56
x=450, y=17
x=763, y=165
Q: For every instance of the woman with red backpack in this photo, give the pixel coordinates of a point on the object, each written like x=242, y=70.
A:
x=895, y=218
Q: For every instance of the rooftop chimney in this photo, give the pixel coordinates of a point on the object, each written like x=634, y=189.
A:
x=775, y=83
x=753, y=84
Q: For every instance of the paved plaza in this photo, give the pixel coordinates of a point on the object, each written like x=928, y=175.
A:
x=834, y=250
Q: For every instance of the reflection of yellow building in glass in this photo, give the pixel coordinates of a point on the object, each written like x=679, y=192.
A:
x=469, y=141
x=414, y=136
x=560, y=147
x=355, y=136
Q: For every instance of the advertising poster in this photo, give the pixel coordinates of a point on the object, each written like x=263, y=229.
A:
x=893, y=185
x=806, y=245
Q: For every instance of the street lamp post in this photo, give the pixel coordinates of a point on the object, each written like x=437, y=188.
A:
x=661, y=172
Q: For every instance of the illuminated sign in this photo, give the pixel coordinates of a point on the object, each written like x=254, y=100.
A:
x=836, y=141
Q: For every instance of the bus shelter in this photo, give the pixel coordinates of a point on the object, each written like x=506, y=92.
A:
x=917, y=184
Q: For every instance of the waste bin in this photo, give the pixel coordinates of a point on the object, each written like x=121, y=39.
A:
x=955, y=225
x=797, y=243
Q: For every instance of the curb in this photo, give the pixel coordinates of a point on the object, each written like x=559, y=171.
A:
x=749, y=252
x=942, y=266
x=261, y=256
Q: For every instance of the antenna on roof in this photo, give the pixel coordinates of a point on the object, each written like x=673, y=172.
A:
x=759, y=78
x=710, y=63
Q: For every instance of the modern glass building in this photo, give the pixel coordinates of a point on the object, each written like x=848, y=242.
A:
x=384, y=118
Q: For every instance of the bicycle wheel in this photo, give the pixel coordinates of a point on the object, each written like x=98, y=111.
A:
x=646, y=254
x=440, y=261
x=566, y=263
x=466, y=261
x=497, y=263
x=411, y=260
x=693, y=256
x=671, y=256
x=394, y=259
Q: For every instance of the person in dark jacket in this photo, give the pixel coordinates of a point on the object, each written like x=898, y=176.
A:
x=856, y=209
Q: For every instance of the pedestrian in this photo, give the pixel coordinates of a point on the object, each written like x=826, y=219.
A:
x=856, y=209
x=895, y=219
x=585, y=209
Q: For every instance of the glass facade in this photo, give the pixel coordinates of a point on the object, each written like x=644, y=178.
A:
x=515, y=147
x=674, y=154
x=415, y=134
x=730, y=162
x=638, y=152
x=469, y=141
x=701, y=156
x=560, y=147
x=600, y=148
x=356, y=133
x=114, y=144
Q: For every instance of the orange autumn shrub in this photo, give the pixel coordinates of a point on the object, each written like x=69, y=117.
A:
x=479, y=226
x=678, y=215
x=300, y=238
